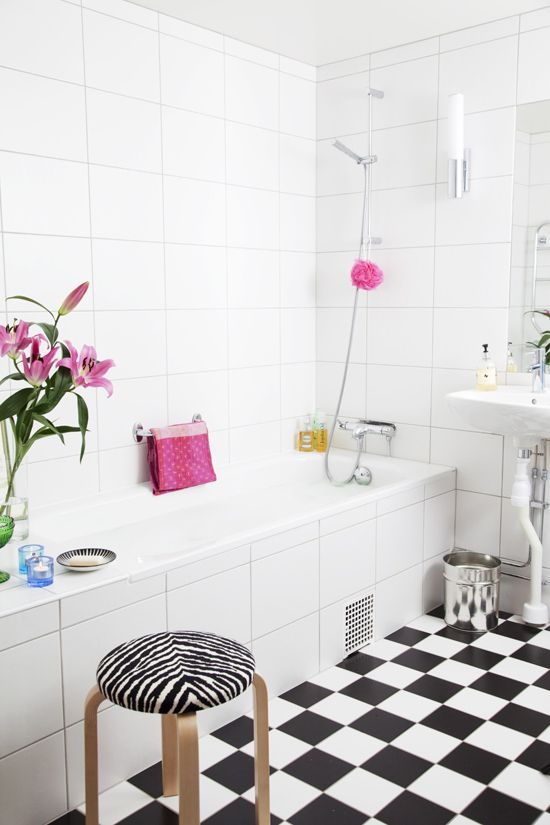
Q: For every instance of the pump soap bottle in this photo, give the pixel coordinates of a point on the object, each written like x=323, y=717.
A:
x=486, y=375
x=305, y=437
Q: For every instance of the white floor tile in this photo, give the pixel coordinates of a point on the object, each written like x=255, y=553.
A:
x=212, y=750
x=426, y=743
x=364, y=791
x=518, y=670
x=429, y=624
x=213, y=797
x=498, y=644
x=283, y=749
x=287, y=795
x=500, y=740
x=396, y=675
x=119, y=802
x=476, y=703
x=409, y=705
x=446, y=788
x=457, y=672
x=384, y=649
x=351, y=745
x=526, y=784
x=340, y=708
x=534, y=698
x=541, y=640
x=335, y=678
x=280, y=711
x=440, y=646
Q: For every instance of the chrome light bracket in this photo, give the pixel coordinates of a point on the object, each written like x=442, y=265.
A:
x=460, y=175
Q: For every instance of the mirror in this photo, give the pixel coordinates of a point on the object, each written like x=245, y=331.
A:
x=530, y=271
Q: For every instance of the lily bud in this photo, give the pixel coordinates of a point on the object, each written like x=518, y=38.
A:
x=73, y=298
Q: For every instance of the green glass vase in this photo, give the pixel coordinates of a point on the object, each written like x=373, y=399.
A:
x=6, y=532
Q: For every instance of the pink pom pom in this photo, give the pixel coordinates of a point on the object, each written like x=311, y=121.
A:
x=366, y=275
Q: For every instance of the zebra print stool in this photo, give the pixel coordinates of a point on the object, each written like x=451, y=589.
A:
x=176, y=675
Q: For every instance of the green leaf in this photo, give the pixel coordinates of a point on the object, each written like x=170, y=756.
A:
x=55, y=390
x=50, y=426
x=50, y=331
x=82, y=422
x=30, y=301
x=14, y=376
x=23, y=428
x=16, y=402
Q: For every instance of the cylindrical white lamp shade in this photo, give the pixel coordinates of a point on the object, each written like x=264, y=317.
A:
x=456, y=127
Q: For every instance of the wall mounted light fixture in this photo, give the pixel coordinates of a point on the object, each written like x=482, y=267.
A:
x=459, y=157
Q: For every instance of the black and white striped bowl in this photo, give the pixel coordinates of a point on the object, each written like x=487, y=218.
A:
x=86, y=559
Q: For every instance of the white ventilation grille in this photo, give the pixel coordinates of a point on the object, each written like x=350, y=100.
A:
x=358, y=623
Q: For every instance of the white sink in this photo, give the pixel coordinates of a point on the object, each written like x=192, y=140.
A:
x=513, y=411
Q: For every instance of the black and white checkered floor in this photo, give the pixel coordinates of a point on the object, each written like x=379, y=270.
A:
x=428, y=726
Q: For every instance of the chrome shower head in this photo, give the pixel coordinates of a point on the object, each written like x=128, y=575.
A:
x=349, y=152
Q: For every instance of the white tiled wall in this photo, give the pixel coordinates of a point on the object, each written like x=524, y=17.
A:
x=446, y=262
x=175, y=168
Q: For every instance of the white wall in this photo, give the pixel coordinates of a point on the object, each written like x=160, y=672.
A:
x=446, y=262
x=175, y=168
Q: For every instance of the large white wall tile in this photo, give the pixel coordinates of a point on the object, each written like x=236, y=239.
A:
x=452, y=349
x=251, y=93
x=185, y=328
x=124, y=348
x=297, y=223
x=298, y=335
x=491, y=138
x=342, y=105
x=46, y=797
x=297, y=389
x=403, y=217
x=411, y=347
x=202, y=392
x=254, y=441
x=297, y=165
x=329, y=381
x=36, y=192
x=298, y=106
x=191, y=77
x=254, y=395
x=534, y=66
x=125, y=11
x=195, y=276
x=410, y=93
x=399, y=540
x=289, y=655
x=408, y=277
x=186, y=202
x=23, y=45
x=348, y=560
x=120, y=57
x=395, y=148
x=252, y=218
x=477, y=457
x=123, y=132
x=253, y=278
x=126, y=205
x=124, y=272
x=400, y=394
x=485, y=73
x=484, y=216
x=253, y=337
x=187, y=31
x=42, y=116
x=478, y=522
x=439, y=524
x=333, y=327
x=252, y=156
x=475, y=275
x=135, y=399
x=398, y=601
x=297, y=278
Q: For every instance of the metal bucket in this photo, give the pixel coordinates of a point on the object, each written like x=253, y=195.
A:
x=472, y=585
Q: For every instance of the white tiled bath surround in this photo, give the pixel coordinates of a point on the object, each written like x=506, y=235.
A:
x=175, y=168
x=446, y=262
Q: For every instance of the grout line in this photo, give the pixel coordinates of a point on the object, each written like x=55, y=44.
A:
x=164, y=269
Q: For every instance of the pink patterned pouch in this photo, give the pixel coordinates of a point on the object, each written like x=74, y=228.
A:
x=179, y=456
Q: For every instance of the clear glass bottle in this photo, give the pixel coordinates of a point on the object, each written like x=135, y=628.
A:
x=320, y=432
x=486, y=375
x=511, y=365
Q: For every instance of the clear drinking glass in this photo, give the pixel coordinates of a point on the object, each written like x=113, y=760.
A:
x=18, y=508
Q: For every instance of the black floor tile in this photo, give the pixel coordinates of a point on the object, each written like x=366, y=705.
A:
x=149, y=780
x=476, y=657
x=310, y=727
x=361, y=663
x=237, y=733
x=239, y=812
x=438, y=612
x=407, y=636
x=397, y=766
x=319, y=769
x=369, y=690
x=324, y=810
x=457, y=635
x=382, y=725
x=544, y=681
x=536, y=756
x=494, y=808
x=499, y=686
x=515, y=630
x=418, y=660
x=235, y=772
x=452, y=722
x=440, y=690
x=153, y=814
x=72, y=818
x=533, y=654
x=523, y=719
x=306, y=694
x=475, y=763
x=410, y=809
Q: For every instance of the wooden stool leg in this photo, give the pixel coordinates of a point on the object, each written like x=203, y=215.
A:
x=169, y=755
x=93, y=701
x=261, y=751
x=188, y=769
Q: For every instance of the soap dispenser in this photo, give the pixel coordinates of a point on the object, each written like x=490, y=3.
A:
x=305, y=437
x=486, y=375
x=511, y=365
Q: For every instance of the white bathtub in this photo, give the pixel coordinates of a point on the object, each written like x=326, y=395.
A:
x=154, y=534
x=271, y=555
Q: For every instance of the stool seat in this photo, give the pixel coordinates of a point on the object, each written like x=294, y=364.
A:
x=175, y=672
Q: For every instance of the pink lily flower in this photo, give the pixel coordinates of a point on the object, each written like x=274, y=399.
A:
x=14, y=339
x=86, y=370
x=38, y=367
x=73, y=299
